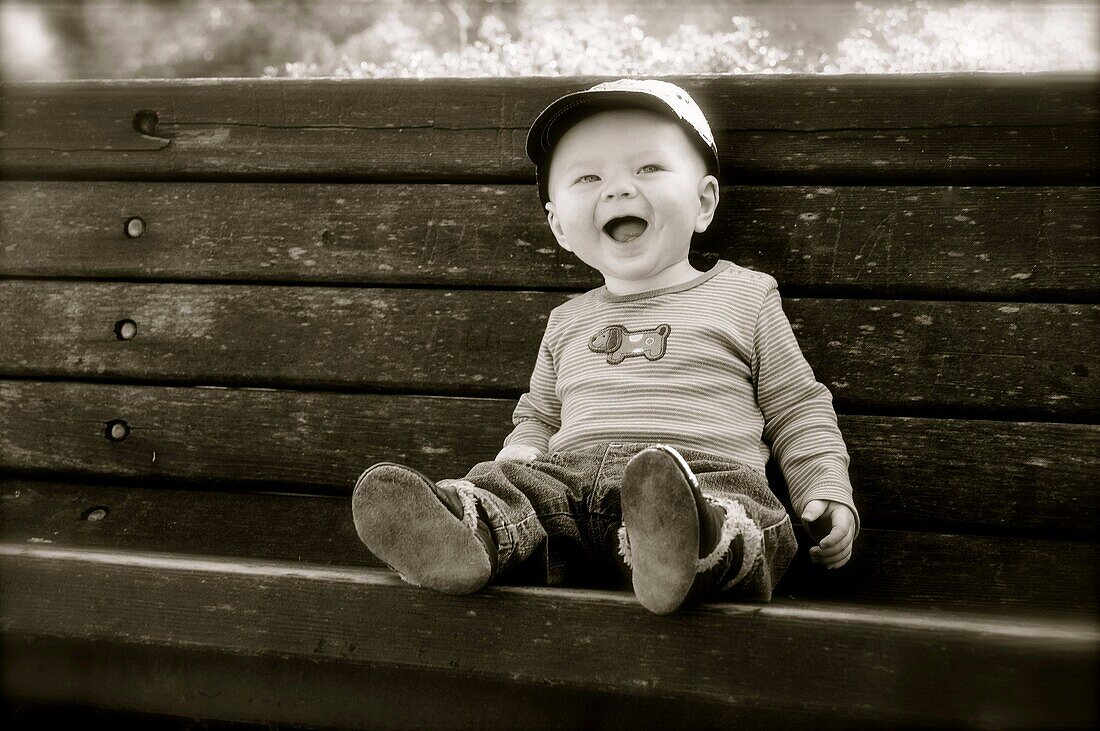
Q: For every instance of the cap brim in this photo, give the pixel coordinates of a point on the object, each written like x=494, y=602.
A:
x=545, y=131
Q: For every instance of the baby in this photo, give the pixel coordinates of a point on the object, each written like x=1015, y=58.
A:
x=655, y=402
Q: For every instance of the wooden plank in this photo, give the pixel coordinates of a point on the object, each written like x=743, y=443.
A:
x=279, y=439
x=260, y=335
x=915, y=473
x=1017, y=360
x=307, y=529
x=961, y=572
x=939, y=243
x=50, y=675
x=937, y=474
x=888, y=567
x=959, y=128
x=987, y=669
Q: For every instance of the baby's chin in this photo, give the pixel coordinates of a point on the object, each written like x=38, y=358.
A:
x=643, y=273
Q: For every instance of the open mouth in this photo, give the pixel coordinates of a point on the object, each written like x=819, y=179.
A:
x=625, y=228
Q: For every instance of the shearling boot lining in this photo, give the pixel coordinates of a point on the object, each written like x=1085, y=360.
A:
x=472, y=497
x=468, y=498
x=624, y=545
x=737, y=523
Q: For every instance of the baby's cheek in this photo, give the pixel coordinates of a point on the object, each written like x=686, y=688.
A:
x=577, y=227
x=680, y=214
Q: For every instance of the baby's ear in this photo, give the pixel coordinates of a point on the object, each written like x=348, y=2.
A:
x=555, y=227
x=708, y=203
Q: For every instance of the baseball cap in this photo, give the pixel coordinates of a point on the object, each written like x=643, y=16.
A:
x=661, y=96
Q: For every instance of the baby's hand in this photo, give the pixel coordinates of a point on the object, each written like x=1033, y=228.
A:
x=837, y=521
x=519, y=453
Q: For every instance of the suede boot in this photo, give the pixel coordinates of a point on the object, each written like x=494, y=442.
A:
x=671, y=532
x=432, y=535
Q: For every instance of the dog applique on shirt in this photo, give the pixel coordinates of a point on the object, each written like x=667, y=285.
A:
x=620, y=343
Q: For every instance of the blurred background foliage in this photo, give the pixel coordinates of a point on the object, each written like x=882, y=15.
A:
x=113, y=39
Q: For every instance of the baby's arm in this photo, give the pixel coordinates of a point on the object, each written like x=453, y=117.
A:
x=538, y=414
x=834, y=525
x=800, y=425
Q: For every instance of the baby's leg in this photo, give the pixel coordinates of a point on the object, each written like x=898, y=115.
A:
x=688, y=537
x=754, y=513
x=456, y=536
x=670, y=532
x=433, y=535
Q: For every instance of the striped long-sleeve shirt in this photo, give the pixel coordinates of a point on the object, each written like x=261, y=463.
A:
x=711, y=364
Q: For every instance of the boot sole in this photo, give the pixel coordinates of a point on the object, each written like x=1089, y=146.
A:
x=662, y=525
x=399, y=517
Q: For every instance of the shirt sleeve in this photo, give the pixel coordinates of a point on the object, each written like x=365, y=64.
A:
x=799, y=421
x=537, y=416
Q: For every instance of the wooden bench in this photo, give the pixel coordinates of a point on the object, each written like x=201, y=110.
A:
x=222, y=299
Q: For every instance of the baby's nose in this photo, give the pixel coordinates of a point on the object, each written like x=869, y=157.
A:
x=620, y=188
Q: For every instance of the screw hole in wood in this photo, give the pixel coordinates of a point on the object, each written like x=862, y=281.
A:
x=145, y=122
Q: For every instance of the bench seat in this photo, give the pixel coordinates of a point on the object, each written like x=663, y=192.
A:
x=819, y=658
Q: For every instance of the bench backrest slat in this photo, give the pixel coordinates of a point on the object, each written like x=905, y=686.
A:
x=950, y=128
x=917, y=242
x=1014, y=360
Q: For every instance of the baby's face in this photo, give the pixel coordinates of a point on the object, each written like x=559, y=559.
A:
x=627, y=191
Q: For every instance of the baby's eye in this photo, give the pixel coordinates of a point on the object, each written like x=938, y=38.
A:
x=581, y=178
x=654, y=166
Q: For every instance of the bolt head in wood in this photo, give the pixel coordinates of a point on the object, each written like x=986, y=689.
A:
x=118, y=430
x=125, y=329
x=135, y=227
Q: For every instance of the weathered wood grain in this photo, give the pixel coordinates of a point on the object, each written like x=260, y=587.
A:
x=909, y=473
x=937, y=243
x=53, y=674
x=258, y=335
x=948, y=128
x=940, y=474
x=905, y=568
x=972, y=594
x=993, y=670
x=928, y=570
x=1013, y=360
